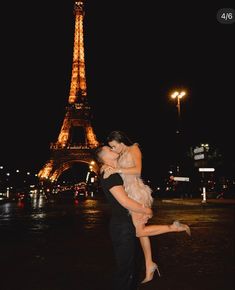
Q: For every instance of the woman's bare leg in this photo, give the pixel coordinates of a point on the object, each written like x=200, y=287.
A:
x=150, y=266
x=153, y=230
x=146, y=247
x=143, y=232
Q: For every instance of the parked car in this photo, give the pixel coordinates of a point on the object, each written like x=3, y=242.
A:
x=228, y=192
x=24, y=196
x=81, y=190
x=65, y=195
x=3, y=198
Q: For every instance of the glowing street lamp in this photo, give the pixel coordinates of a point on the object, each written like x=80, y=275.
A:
x=179, y=96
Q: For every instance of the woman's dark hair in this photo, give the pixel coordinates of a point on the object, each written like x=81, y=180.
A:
x=119, y=137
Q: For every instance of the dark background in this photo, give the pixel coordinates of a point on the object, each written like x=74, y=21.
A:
x=136, y=52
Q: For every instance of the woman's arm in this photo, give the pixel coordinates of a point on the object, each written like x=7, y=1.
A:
x=137, y=158
x=134, y=170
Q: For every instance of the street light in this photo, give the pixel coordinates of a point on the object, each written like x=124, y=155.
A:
x=179, y=96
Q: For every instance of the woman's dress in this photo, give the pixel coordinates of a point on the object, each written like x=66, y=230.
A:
x=133, y=184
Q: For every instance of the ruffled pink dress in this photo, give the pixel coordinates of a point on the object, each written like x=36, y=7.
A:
x=133, y=184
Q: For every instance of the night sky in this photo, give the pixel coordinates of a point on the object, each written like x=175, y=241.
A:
x=136, y=52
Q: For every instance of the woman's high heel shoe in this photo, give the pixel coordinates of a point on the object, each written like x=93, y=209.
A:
x=153, y=269
x=182, y=227
x=159, y=274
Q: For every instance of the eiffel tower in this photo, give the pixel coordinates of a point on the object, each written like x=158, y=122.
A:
x=76, y=138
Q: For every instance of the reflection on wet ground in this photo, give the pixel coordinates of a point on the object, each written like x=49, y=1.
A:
x=50, y=245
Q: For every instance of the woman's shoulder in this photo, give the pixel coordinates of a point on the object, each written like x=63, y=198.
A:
x=135, y=147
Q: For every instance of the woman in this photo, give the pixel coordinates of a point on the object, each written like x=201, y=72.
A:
x=129, y=167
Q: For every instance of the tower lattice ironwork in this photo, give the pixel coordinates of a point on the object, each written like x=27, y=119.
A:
x=76, y=138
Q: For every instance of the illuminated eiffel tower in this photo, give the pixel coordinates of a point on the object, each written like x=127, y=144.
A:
x=76, y=138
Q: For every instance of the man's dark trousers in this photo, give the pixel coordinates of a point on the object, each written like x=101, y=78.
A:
x=127, y=253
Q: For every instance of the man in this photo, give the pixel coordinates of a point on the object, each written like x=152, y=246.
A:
x=122, y=230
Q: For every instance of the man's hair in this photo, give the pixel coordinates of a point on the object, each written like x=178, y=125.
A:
x=98, y=154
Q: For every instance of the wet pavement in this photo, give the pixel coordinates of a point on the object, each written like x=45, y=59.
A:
x=51, y=245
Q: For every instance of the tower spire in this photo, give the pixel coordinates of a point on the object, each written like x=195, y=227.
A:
x=76, y=138
x=78, y=88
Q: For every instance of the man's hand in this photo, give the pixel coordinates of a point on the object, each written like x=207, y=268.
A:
x=149, y=212
x=146, y=216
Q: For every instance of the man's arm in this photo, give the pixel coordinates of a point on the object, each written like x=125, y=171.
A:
x=121, y=196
